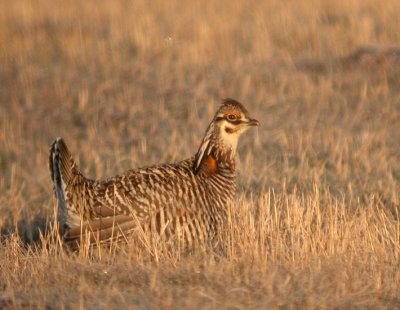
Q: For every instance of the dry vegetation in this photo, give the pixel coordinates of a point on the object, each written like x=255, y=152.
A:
x=316, y=222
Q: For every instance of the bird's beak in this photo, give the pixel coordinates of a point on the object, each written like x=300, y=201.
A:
x=253, y=122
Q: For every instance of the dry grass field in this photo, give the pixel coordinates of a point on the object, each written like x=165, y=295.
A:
x=316, y=223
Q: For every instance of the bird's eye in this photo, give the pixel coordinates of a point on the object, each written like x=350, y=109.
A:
x=231, y=117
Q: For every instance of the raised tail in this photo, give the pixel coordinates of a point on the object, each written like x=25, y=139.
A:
x=77, y=217
x=61, y=163
x=63, y=170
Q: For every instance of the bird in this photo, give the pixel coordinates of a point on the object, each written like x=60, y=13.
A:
x=186, y=200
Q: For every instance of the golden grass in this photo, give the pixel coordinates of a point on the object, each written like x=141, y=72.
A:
x=126, y=84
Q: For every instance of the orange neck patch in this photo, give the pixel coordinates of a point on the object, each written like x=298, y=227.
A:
x=212, y=164
x=209, y=166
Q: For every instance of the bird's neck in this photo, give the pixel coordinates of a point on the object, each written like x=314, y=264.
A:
x=214, y=154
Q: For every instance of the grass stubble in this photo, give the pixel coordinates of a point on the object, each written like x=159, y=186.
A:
x=127, y=84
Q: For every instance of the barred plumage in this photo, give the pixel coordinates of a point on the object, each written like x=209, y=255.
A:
x=187, y=199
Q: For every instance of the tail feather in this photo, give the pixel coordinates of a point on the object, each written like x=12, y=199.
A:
x=77, y=215
x=62, y=169
x=61, y=163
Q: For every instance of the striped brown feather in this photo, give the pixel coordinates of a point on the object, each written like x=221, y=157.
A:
x=187, y=200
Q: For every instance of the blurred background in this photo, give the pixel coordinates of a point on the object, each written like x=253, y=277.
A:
x=133, y=83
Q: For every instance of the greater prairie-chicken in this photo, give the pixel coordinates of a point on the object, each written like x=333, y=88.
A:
x=187, y=199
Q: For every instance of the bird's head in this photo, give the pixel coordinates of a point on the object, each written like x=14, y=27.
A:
x=222, y=135
x=231, y=120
